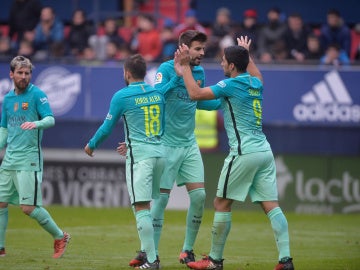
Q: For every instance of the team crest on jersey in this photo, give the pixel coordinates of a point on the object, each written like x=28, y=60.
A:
x=16, y=106
x=158, y=77
x=25, y=105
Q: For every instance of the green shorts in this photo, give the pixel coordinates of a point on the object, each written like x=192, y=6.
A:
x=143, y=179
x=253, y=174
x=20, y=187
x=183, y=165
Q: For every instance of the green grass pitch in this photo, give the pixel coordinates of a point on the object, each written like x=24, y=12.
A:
x=106, y=239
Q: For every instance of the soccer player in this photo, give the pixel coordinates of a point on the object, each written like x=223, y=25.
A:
x=142, y=109
x=25, y=114
x=250, y=167
x=183, y=159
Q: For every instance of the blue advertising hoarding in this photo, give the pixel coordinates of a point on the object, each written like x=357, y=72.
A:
x=296, y=95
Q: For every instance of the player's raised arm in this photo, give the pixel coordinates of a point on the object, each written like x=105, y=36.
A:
x=245, y=42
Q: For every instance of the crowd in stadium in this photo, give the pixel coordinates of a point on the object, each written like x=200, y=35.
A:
x=35, y=31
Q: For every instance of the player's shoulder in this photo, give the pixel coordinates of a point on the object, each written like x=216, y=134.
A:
x=35, y=90
x=167, y=65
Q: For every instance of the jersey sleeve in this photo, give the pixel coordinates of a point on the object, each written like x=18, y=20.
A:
x=113, y=116
x=165, y=78
x=43, y=105
x=220, y=89
x=3, y=114
x=208, y=105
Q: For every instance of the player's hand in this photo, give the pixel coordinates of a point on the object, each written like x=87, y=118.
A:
x=244, y=41
x=182, y=58
x=28, y=125
x=89, y=151
x=121, y=149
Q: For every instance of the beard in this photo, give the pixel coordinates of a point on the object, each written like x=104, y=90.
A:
x=227, y=74
x=21, y=85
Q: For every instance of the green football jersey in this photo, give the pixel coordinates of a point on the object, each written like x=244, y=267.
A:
x=142, y=109
x=23, y=151
x=241, y=101
x=180, y=109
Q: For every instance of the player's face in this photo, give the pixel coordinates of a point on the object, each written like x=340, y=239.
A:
x=196, y=51
x=21, y=78
x=225, y=65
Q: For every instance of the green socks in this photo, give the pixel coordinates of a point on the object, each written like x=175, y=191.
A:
x=220, y=230
x=146, y=233
x=4, y=216
x=45, y=220
x=194, y=217
x=280, y=227
x=157, y=213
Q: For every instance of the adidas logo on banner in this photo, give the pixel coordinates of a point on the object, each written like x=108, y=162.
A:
x=329, y=101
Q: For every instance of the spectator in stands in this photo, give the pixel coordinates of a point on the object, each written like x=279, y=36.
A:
x=335, y=31
x=146, y=39
x=24, y=16
x=112, y=54
x=355, y=43
x=249, y=27
x=169, y=41
x=48, y=33
x=109, y=32
x=270, y=43
x=313, y=50
x=5, y=48
x=79, y=33
x=89, y=57
x=26, y=49
x=335, y=56
x=190, y=23
x=295, y=37
x=221, y=34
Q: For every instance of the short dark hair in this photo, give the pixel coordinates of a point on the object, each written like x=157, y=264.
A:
x=237, y=55
x=136, y=65
x=191, y=35
x=334, y=11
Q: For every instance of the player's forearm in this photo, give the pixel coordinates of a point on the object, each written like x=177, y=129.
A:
x=253, y=70
x=190, y=84
x=171, y=84
x=3, y=137
x=44, y=123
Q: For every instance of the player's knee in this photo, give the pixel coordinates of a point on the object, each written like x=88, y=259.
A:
x=27, y=209
x=197, y=197
x=3, y=205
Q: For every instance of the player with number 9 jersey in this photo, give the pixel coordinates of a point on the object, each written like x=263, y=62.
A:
x=244, y=133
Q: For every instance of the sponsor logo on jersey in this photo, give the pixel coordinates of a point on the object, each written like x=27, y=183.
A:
x=43, y=100
x=108, y=116
x=61, y=87
x=328, y=101
x=16, y=106
x=158, y=77
x=222, y=84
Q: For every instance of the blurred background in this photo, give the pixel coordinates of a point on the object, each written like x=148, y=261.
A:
x=308, y=52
